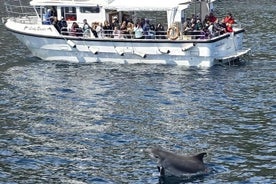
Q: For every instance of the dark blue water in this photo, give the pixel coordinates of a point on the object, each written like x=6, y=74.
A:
x=70, y=123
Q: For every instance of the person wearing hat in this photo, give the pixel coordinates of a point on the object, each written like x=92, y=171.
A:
x=115, y=23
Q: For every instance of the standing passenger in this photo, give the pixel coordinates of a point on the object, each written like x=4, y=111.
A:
x=62, y=24
x=146, y=29
x=138, y=31
x=86, y=28
x=117, y=33
x=107, y=29
x=115, y=23
x=99, y=30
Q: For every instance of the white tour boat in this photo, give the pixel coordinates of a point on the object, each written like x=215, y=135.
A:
x=176, y=41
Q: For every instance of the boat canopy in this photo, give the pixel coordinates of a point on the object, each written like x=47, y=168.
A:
x=69, y=2
x=146, y=5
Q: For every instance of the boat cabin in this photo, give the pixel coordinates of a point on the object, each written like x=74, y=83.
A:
x=166, y=13
x=70, y=10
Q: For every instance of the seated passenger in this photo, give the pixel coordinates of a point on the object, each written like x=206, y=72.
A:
x=206, y=21
x=198, y=25
x=229, y=19
x=76, y=30
x=228, y=22
x=73, y=29
x=218, y=28
x=211, y=17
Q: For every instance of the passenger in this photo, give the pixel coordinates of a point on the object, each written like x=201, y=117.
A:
x=160, y=31
x=187, y=26
x=218, y=28
x=192, y=23
x=152, y=31
x=138, y=31
x=62, y=24
x=212, y=18
x=123, y=28
x=48, y=17
x=86, y=29
x=229, y=21
x=206, y=21
x=93, y=30
x=55, y=24
x=198, y=25
x=196, y=29
x=130, y=30
x=107, y=29
x=74, y=29
x=115, y=23
x=99, y=30
x=85, y=26
x=117, y=33
x=146, y=29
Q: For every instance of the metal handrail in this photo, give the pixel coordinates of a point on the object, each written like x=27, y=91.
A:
x=19, y=11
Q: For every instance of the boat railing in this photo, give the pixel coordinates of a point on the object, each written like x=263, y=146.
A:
x=160, y=35
x=20, y=13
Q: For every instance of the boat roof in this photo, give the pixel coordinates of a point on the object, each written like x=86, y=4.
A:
x=69, y=2
x=120, y=5
x=145, y=5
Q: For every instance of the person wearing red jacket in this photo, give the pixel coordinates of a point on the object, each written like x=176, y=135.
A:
x=229, y=21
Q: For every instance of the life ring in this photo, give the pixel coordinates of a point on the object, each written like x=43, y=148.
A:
x=173, y=32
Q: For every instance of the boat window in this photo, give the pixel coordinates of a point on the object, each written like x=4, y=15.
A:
x=69, y=13
x=91, y=9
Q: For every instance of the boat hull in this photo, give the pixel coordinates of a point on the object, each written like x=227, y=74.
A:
x=196, y=52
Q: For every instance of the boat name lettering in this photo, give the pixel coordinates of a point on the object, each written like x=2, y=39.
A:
x=38, y=28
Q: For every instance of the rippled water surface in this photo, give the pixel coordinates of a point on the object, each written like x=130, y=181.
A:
x=70, y=123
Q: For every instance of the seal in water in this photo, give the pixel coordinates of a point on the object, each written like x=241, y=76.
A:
x=177, y=165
